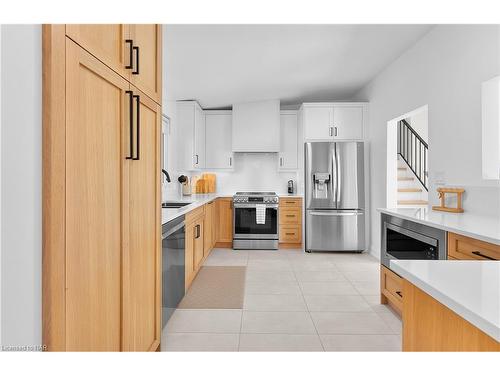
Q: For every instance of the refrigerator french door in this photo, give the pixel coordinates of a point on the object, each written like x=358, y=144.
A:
x=334, y=201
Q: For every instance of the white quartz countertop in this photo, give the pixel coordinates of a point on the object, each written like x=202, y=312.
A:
x=197, y=200
x=469, y=288
x=485, y=228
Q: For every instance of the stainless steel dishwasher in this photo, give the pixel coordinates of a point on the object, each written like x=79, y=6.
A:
x=173, y=266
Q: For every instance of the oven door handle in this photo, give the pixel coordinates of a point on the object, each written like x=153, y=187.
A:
x=253, y=205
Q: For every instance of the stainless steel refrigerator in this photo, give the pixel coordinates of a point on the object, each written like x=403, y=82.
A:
x=335, y=196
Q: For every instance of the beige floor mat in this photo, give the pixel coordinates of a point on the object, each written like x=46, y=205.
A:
x=216, y=287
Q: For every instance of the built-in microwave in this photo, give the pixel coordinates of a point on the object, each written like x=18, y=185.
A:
x=406, y=239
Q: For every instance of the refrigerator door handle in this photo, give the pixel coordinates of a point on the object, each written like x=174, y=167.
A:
x=333, y=182
x=338, y=180
x=336, y=213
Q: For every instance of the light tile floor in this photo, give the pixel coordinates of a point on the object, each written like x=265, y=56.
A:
x=294, y=301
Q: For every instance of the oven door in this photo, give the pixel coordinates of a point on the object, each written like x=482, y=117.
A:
x=245, y=222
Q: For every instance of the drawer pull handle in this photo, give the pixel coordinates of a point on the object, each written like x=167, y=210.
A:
x=290, y=234
x=399, y=293
x=478, y=253
x=290, y=215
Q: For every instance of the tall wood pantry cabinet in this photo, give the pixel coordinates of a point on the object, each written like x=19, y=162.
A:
x=101, y=187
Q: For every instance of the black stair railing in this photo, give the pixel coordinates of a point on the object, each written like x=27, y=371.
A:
x=413, y=150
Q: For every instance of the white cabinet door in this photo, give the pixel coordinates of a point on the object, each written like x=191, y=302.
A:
x=318, y=122
x=347, y=122
x=288, y=141
x=218, y=139
x=199, y=138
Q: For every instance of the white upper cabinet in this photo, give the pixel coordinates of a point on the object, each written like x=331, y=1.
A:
x=288, y=155
x=199, y=138
x=191, y=125
x=218, y=140
x=333, y=121
x=347, y=122
x=318, y=122
x=256, y=126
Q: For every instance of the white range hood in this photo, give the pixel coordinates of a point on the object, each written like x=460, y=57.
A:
x=256, y=126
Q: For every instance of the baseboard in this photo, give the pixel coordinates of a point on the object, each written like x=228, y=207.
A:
x=225, y=245
x=290, y=246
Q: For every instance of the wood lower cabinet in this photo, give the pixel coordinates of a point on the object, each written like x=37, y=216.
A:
x=194, y=251
x=209, y=229
x=391, y=289
x=290, y=222
x=428, y=325
x=466, y=248
x=101, y=193
x=224, y=222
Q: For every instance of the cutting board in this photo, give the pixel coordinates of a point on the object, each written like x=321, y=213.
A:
x=203, y=184
x=209, y=182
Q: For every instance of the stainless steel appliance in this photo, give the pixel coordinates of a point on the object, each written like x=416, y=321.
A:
x=255, y=220
x=290, y=187
x=335, y=196
x=405, y=239
x=173, y=266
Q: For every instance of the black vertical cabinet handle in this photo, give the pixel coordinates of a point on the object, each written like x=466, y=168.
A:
x=131, y=124
x=136, y=49
x=138, y=129
x=130, y=42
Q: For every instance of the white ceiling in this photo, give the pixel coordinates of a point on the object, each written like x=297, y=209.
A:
x=219, y=65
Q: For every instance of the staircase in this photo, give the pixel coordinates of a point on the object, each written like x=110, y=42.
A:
x=412, y=167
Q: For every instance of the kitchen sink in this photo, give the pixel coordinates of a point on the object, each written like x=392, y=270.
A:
x=174, y=204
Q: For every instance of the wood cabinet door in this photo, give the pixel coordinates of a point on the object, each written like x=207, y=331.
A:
x=214, y=225
x=189, y=253
x=106, y=42
x=348, y=122
x=318, y=122
x=142, y=258
x=96, y=123
x=199, y=243
x=147, y=58
x=225, y=220
x=208, y=232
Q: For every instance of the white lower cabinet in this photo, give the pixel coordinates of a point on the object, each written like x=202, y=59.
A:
x=218, y=140
x=288, y=155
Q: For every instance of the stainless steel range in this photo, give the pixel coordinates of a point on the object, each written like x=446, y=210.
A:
x=255, y=220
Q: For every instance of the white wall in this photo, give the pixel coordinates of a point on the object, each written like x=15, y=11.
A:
x=252, y=171
x=21, y=163
x=445, y=70
x=419, y=122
